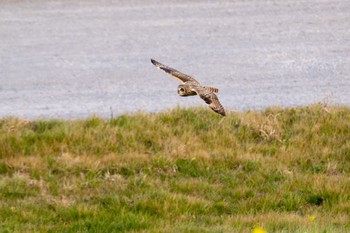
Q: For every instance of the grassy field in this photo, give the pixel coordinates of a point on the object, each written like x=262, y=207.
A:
x=185, y=170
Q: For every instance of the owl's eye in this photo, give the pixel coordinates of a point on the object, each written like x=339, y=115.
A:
x=181, y=89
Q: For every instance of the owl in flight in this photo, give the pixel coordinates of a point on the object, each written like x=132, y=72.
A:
x=189, y=86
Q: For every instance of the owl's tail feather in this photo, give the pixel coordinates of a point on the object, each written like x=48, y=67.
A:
x=212, y=89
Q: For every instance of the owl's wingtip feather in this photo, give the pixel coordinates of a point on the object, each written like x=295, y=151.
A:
x=154, y=62
x=221, y=112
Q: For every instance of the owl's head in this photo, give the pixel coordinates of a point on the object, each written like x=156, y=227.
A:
x=182, y=90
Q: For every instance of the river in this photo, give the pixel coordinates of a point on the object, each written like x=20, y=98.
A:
x=73, y=59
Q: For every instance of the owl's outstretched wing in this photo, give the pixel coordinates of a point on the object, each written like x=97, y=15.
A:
x=176, y=74
x=211, y=99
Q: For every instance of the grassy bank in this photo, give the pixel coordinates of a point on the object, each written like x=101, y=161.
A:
x=285, y=170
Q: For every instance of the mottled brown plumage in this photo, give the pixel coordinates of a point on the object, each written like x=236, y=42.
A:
x=189, y=86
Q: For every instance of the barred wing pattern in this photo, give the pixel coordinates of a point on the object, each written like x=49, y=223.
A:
x=176, y=74
x=211, y=99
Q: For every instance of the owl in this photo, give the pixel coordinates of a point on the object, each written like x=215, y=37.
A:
x=189, y=87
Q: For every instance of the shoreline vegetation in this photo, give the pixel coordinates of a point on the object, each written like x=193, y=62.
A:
x=184, y=170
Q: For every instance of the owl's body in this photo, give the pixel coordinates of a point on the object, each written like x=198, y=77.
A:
x=189, y=87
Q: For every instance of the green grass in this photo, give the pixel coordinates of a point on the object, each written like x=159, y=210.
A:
x=185, y=170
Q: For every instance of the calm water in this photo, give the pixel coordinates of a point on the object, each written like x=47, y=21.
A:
x=70, y=59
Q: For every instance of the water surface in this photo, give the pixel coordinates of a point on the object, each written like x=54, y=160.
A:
x=71, y=59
